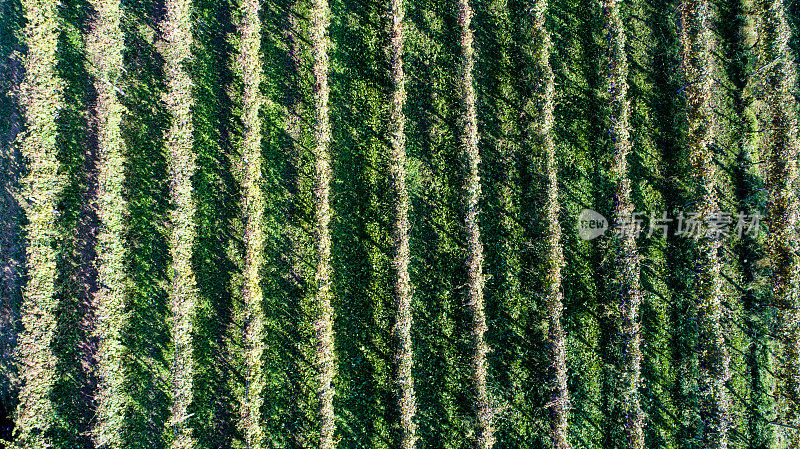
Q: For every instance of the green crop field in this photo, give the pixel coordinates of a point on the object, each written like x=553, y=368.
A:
x=399, y=224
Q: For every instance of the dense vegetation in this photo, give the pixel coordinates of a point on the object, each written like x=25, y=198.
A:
x=355, y=223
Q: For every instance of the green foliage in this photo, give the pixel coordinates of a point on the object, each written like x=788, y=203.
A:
x=90, y=365
x=143, y=396
x=362, y=228
x=217, y=197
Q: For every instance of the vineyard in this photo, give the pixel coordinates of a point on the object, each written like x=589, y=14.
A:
x=399, y=224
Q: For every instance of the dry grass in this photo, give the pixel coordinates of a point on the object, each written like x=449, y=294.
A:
x=105, y=48
x=253, y=100
x=183, y=290
x=42, y=97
